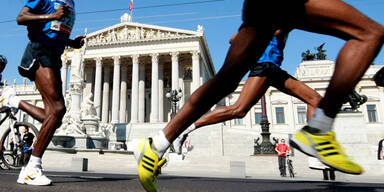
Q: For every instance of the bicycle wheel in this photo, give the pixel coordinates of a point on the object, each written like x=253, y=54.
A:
x=10, y=148
x=290, y=169
x=8, y=159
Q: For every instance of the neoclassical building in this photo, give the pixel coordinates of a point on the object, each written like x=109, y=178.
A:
x=129, y=67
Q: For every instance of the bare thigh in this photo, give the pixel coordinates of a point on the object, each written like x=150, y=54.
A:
x=336, y=18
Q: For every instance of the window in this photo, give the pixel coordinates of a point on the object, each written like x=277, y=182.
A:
x=301, y=115
x=371, y=110
x=280, y=115
x=258, y=116
x=238, y=121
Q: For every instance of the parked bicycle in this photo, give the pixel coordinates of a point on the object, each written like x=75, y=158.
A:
x=11, y=142
x=290, y=166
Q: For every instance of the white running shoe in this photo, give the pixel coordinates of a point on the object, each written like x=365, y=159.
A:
x=6, y=94
x=20, y=179
x=34, y=176
x=178, y=143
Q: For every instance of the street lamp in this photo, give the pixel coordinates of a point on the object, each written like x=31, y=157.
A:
x=174, y=96
x=266, y=147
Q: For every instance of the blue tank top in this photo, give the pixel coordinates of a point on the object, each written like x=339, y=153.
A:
x=54, y=33
x=274, y=51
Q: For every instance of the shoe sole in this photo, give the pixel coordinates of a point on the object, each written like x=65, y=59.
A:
x=309, y=151
x=136, y=151
x=301, y=147
x=20, y=182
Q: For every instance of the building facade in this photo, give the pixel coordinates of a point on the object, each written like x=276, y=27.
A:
x=129, y=68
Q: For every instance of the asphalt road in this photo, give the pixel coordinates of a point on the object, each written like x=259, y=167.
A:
x=95, y=182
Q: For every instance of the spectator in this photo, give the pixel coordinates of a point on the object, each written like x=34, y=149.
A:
x=282, y=149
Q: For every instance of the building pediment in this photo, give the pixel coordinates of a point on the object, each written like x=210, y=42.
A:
x=318, y=69
x=278, y=102
x=373, y=98
x=130, y=32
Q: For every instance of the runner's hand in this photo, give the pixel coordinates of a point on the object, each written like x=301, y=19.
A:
x=78, y=42
x=61, y=13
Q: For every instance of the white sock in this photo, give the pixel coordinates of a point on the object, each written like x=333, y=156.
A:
x=14, y=101
x=160, y=144
x=189, y=129
x=34, y=162
x=321, y=121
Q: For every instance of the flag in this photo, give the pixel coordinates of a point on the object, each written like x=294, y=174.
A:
x=131, y=5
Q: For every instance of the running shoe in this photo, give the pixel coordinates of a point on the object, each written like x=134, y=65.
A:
x=326, y=149
x=33, y=176
x=7, y=93
x=149, y=164
x=21, y=177
x=178, y=143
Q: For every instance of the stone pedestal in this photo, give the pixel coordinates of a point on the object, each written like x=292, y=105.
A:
x=79, y=142
x=237, y=169
x=351, y=132
x=91, y=125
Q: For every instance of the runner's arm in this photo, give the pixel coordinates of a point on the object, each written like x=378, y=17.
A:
x=27, y=17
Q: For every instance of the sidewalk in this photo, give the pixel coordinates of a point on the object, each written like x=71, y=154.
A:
x=256, y=167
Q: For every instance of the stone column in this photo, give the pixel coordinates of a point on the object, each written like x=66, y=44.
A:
x=135, y=89
x=142, y=93
x=123, y=95
x=195, y=70
x=105, y=109
x=76, y=84
x=291, y=114
x=64, y=77
x=161, y=93
x=98, y=77
x=381, y=95
x=175, y=70
x=116, y=88
x=155, y=88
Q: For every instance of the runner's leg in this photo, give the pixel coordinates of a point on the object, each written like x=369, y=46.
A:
x=254, y=88
x=34, y=111
x=48, y=82
x=364, y=40
x=303, y=92
x=235, y=67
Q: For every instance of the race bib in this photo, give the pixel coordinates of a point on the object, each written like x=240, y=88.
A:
x=65, y=25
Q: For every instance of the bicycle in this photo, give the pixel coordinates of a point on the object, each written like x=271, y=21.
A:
x=290, y=167
x=11, y=142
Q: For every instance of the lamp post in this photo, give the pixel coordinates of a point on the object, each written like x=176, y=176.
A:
x=266, y=147
x=174, y=96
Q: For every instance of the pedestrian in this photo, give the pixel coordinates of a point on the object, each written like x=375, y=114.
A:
x=264, y=73
x=282, y=150
x=3, y=64
x=380, y=148
x=364, y=38
x=49, y=24
x=29, y=141
x=328, y=173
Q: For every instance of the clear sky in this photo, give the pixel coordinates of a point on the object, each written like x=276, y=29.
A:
x=220, y=20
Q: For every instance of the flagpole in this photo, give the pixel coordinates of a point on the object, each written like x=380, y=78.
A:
x=131, y=8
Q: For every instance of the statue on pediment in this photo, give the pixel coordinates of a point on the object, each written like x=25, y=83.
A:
x=355, y=100
x=150, y=34
x=320, y=55
x=307, y=55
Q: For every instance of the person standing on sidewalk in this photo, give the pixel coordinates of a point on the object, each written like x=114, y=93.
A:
x=49, y=24
x=282, y=149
